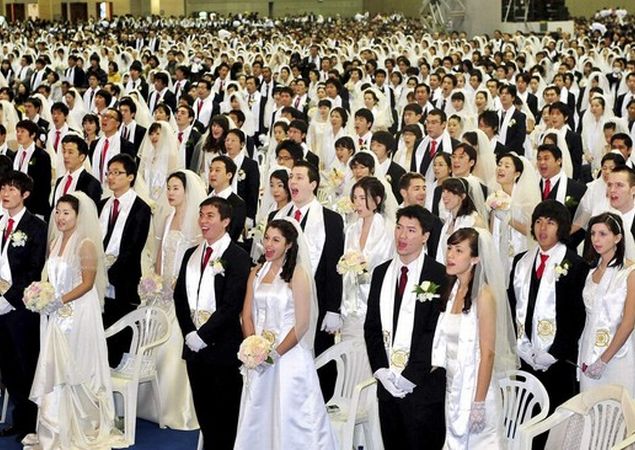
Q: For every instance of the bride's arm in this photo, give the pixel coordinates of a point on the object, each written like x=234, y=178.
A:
x=625, y=328
x=247, y=319
x=301, y=299
x=88, y=261
x=487, y=341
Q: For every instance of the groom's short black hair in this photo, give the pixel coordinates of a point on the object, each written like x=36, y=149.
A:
x=129, y=165
x=222, y=205
x=312, y=172
x=416, y=212
x=554, y=210
x=17, y=179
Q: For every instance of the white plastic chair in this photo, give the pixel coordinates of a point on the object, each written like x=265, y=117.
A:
x=593, y=420
x=4, y=395
x=628, y=443
x=521, y=393
x=150, y=328
x=354, y=393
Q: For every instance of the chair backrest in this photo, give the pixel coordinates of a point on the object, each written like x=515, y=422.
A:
x=352, y=365
x=524, y=399
x=605, y=425
x=150, y=328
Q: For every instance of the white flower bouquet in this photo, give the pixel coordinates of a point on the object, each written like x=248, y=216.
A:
x=352, y=262
x=150, y=289
x=344, y=205
x=499, y=200
x=254, y=351
x=38, y=295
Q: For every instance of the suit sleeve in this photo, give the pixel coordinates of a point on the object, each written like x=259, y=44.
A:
x=511, y=293
x=229, y=306
x=575, y=148
x=333, y=249
x=239, y=213
x=253, y=186
x=372, y=326
x=181, y=305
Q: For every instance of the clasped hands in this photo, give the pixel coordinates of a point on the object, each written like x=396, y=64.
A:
x=396, y=384
x=537, y=359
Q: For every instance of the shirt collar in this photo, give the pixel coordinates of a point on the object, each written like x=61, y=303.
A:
x=224, y=193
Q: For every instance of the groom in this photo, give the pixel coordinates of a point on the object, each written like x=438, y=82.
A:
x=399, y=329
x=208, y=298
x=22, y=253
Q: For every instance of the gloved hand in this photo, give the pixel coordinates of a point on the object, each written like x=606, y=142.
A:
x=388, y=379
x=53, y=306
x=404, y=384
x=332, y=322
x=194, y=342
x=526, y=353
x=477, y=417
x=543, y=360
x=595, y=370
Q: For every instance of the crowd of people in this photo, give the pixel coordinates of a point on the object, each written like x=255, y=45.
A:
x=463, y=206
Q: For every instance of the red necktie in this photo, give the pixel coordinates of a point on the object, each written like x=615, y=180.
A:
x=57, y=140
x=22, y=158
x=115, y=212
x=360, y=141
x=433, y=148
x=297, y=102
x=8, y=230
x=206, y=257
x=157, y=94
x=69, y=181
x=178, y=88
x=297, y=215
x=180, y=137
x=403, y=280
x=102, y=161
x=547, y=190
x=541, y=267
x=200, y=106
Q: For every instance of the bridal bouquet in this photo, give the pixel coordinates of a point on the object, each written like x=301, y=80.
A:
x=344, y=205
x=255, y=350
x=334, y=179
x=352, y=262
x=258, y=231
x=38, y=295
x=150, y=289
x=499, y=200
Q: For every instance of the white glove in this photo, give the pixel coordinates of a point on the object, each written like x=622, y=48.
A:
x=194, y=342
x=5, y=306
x=388, y=378
x=526, y=353
x=404, y=384
x=274, y=355
x=477, y=417
x=595, y=370
x=332, y=322
x=53, y=306
x=543, y=360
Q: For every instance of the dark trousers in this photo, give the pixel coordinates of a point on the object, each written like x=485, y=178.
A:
x=410, y=424
x=328, y=373
x=19, y=351
x=115, y=309
x=216, y=393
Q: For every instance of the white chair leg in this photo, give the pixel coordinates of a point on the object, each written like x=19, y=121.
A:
x=5, y=405
x=130, y=408
x=199, y=446
x=156, y=395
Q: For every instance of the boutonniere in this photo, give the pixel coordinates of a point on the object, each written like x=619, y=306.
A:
x=241, y=175
x=512, y=123
x=562, y=269
x=570, y=202
x=426, y=291
x=32, y=162
x=388, y=178
x=18, y=238
x=218, y=266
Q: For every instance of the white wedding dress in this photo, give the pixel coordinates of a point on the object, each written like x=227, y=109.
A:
x=282, y=408
x=174, y=386
x=72, y=386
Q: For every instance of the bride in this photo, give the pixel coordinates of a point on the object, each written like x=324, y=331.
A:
x=282, y=405
x=75, y=400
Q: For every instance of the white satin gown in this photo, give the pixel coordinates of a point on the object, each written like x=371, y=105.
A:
x=282, y=408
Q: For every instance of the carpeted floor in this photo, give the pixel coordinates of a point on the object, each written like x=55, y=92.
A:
x=149, y=437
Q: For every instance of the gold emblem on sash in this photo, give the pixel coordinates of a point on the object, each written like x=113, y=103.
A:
x=269, y=335
x=521, y=329
x=65, y=311
x=602, y=337
x=386, y=335
x=4, y=286
x=399, y=358
x=546, y=328
x=199, y=317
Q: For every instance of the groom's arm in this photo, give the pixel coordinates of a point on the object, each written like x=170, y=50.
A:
x=230, y=304
x=181, y=305
x=373, y=334
x=333, y=249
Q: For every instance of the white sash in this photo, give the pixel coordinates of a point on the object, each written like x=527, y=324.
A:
x=397, y=342
x=544, y=318
x=461, y=393
x=5, y=268
x=201, y=294
x=314, y=230
x=561, y=193
x=502, y=133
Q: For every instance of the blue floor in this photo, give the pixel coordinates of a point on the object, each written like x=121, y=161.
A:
x=149, y=437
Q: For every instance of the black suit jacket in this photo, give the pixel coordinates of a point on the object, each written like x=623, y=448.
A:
x=26, y=262
x=222, y=332
x=418, y=367
x=313, y=159
x=395, y=172
x=124, y=147
x=39, y=168
x=427, y=159
x=570, y=312
x=501, y=149
x=516, y=134
x=169, y=99
x=192, y=140
x=532, y=104
x=574, y=142
x=248, y=189
x=139, y=134
x=125, y=273
x=239, y=214
x=87, y=184
x=619, y=104
x=436, y=225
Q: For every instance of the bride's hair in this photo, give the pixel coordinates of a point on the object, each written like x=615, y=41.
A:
x=461, y=235
x=71, y=200
x=290, y=235
x=373, y=188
